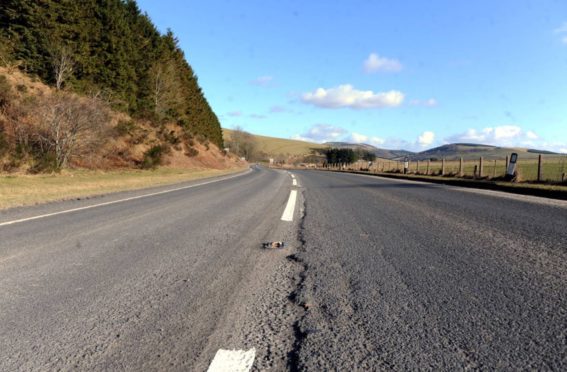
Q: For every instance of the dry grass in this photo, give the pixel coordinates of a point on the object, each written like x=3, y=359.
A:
x=279, y=146
x=20, y=190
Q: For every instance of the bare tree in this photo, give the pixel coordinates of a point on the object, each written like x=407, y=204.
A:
x=68, y=125
x=165, y=86
x=63, y=65
x=243, y=143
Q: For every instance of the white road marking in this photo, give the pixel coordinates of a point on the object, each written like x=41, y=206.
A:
x=290, y=207
x=233, y=361
x=294, y=182
x=117, y=201
x=292, y=176
x=502, y=194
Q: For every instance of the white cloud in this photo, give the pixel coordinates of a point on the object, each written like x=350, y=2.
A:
x=358, y=138
x=361, y=138
x=531, y=135
x=235, y=113
x=262, y=81
x=563, y=151
x=377, y=141
x=375, y=63
x=562, y=30
x=329, y=133
x=426, y=138
x=322, y=133
x=346, y=96
x=431, y=102
x=503, y=135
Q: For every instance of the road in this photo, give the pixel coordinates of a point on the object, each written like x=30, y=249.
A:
x=376, y=274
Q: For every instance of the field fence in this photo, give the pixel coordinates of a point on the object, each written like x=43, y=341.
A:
x=550, y=168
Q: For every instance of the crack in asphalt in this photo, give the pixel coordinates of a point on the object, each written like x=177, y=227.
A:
x=296, y=295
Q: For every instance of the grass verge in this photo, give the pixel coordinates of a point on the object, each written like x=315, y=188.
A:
x=21, y=190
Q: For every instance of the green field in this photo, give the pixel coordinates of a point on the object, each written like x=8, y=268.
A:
x=275, y=147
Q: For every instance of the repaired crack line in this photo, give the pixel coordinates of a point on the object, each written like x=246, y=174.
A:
x=299, y=334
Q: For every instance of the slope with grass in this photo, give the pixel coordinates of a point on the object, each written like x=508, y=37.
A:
x=276, y=147
x=474, y=151
x=379, y=152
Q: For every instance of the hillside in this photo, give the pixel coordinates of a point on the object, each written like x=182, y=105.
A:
x=277, y=147
x=474, y=151
x=449, y=151
x=108, y=49
x=380, y=153
x=43, y=129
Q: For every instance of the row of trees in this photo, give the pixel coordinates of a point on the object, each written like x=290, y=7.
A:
x=109, y=47
x=244, y=145
x=347, y=156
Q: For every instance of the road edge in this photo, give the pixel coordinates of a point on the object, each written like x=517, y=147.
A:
x=475, y=184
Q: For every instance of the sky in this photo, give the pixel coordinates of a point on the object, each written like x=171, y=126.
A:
x=394, y=74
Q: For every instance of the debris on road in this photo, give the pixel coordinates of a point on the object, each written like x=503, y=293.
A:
x=273, y=245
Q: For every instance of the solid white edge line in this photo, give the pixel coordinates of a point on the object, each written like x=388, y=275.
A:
x=119, y=201
x=232, y=360
x=290, y=207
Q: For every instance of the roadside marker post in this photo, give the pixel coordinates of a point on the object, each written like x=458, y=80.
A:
x=539, y=168
x=511, y=168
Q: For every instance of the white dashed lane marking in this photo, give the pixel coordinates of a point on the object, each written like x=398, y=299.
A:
x=290, y=207
x=233, y=361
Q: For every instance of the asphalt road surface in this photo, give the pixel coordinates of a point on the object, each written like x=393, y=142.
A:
x=376, y=274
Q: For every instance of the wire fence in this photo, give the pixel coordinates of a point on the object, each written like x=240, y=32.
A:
x=550, y=168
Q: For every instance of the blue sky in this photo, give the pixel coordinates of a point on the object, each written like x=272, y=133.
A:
x=395, y=74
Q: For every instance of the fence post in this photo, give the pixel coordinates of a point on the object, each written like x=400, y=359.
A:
x=427, y=171
x=475, y=170
x=461, y=170
x=443, y=166
x=494, y=170
x=417, y=168
x=480, y=168
x=507, y=162
x=539, y=169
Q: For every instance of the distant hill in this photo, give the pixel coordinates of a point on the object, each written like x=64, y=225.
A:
x=275, y=147
x=449, y=151
x=473, y=151
x=380, y=153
